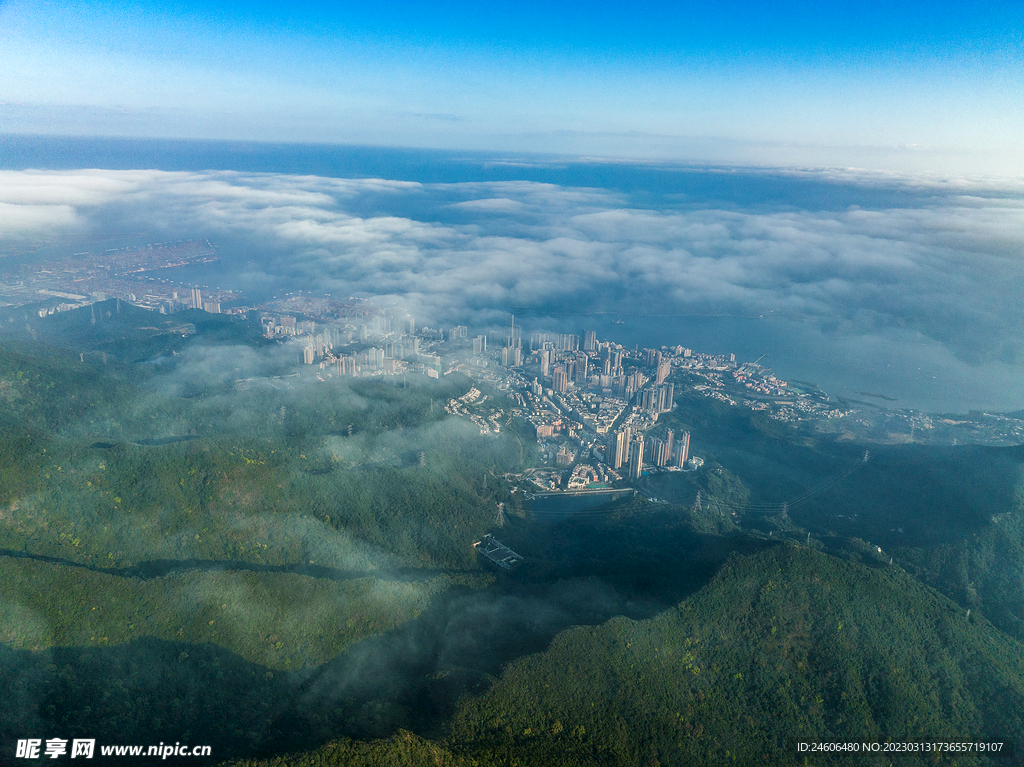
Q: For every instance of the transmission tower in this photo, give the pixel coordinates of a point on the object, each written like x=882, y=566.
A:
x=423, y=459
x=501, y=515
x=696, y=503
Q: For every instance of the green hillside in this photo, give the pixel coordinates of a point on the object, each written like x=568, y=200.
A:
x=283, y=568
x=403, y=749
x=782, y=646
x=789, y=644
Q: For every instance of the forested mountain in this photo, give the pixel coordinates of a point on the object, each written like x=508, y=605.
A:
x=213, y=550
x=783, y=646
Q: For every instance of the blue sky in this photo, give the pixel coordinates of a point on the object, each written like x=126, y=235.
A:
x=908, y=86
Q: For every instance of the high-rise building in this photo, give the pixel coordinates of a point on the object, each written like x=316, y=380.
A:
x=656, y=451
x=664, y=369
x=197, y=298
x=683, y=449
x=630, y=388
x=669, y=446
x=609, y=449
x=618, y=448
x=319, y=345
x=410, y=325
x=479, y=344
x=346, y=366
x=545, y=362
x=308, y=354
x=666, y=393
x=658, y=398
x=561, y=380
x=582, y=361
x=590, y=341
x=636, y=457
x=649, y=399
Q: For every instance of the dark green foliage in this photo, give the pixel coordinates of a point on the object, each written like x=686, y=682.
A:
x=278, y=619
x=272, y=568
x=403, y=749
x=134, y=475
x=130, y=333
x=129, y=693
x=954, y=516
x=646, y=550
x=788, y=644
x=984, y=572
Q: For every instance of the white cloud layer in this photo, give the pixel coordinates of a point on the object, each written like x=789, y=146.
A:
x=948, y=266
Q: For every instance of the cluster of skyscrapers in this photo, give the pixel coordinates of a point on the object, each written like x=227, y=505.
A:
x=213, y=307
x=579, y=382
x=630, y=450
x=392, y=333
x=657, y=398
